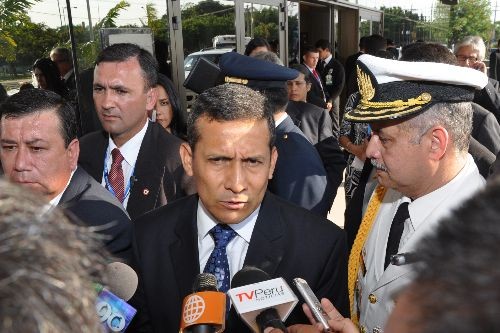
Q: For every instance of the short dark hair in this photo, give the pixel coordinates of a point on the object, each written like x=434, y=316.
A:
x=323, y=44
x=362, y=42
x=302, y=69
x=309, y=49
x=178, y=123
x=30, y=101
x=255, y=43
x=3, y=93
x=229, y=102
x=374, y=43
x=456, y=285
x=428, y=52
x=124, y=51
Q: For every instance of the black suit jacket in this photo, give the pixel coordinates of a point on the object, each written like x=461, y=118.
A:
x=489, y=97
x=93, y=205
x=158, y=175
x=316, y=94
x=287, y=242
x=485, y=128
x=299, y=175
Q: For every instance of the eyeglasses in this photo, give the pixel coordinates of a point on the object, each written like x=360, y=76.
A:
x=463, y=58
x=295, y=83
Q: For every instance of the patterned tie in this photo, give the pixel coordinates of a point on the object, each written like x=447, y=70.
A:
x=116, y=174
x=218, y=264
x=397, y=227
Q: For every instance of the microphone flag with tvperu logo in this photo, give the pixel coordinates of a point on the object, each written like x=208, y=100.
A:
x=252, y=299
x=204, y=307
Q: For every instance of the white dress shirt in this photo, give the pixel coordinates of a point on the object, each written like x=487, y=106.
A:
x=129, y=151
x=236, y=249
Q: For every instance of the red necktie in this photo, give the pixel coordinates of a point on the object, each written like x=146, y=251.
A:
x=116, y=174
x=316, y=75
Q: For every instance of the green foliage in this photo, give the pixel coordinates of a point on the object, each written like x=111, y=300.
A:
x=402, y=26
x=109, y=20
x=470, y=17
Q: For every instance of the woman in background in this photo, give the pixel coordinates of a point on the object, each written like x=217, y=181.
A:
x=168, y=111
x=47, y=76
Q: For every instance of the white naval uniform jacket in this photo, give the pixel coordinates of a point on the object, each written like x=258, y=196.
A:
x=376, y=287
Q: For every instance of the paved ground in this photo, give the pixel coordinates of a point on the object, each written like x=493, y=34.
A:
x=337, y=212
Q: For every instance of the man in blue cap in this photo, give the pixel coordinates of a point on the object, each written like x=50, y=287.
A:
x=300, y=176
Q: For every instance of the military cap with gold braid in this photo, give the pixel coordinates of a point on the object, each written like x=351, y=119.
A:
x=254, y=73
x=391, y=89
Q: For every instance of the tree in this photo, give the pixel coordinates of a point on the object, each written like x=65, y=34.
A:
x=400, y=25
x=11, y=13
x=470, y=18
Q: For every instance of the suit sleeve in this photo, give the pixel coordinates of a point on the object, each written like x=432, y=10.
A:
x=141, y=322
x=333, y=282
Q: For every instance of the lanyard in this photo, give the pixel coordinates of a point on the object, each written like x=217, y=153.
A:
x=108, y=184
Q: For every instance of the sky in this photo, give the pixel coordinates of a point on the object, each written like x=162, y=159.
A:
x=48, y=11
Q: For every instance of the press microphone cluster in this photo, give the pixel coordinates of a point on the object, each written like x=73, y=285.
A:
x=112, y=308
x=204, y=311
x=260, y=301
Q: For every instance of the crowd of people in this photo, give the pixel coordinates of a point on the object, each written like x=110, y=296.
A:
x=247, y=178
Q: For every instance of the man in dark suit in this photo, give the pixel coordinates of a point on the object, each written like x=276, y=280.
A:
x=64, y=61
x=150, y=171
x=332, y=76
x=316, y=94
x=231, y=156
x=305, y=184
x=40, y=151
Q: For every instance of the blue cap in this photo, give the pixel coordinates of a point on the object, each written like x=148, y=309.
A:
x=254, y=73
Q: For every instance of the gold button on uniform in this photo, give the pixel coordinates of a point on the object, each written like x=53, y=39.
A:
x=372, y=298
x=363, y=329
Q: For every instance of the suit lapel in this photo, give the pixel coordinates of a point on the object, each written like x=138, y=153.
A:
x=76, y=186
x=148, y=174
x=267, y=245
x=184, y=249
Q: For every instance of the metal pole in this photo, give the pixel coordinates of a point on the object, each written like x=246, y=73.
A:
x=75, y=66
x=90, y=22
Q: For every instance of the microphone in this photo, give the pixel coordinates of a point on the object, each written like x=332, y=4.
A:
x=204, y=311
x=260, y=301
x=114, y=312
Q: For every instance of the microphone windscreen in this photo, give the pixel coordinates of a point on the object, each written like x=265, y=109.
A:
x=122, y=280
x=248, y=275
x=205, y=282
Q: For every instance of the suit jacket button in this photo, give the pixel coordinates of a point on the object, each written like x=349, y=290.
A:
x=372, y=298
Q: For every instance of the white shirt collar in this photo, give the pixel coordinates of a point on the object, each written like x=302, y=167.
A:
x=68, y=74
x=55, y=200
x=205, y=222
x=130, y=149
x=328, y=59
x=280, y=119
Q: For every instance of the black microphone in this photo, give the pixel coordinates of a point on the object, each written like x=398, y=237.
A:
x=269, y=317
x=204, y=311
